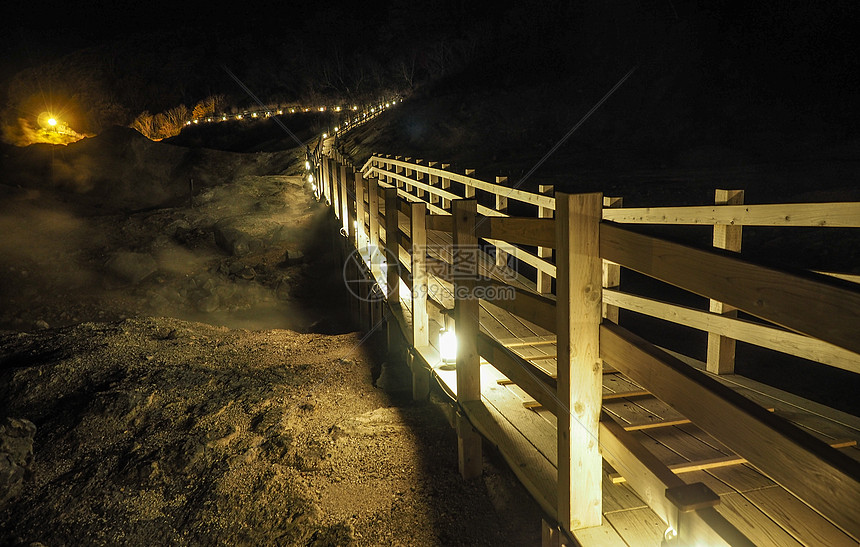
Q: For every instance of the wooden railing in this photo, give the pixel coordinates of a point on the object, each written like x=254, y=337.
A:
x=806, y=314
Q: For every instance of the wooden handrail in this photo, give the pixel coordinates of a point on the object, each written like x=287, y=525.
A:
x=810, y=306
x=739, y=329
x=838, y=214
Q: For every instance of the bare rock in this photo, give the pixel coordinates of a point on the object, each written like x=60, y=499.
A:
x=16, y=455
x=231, y=240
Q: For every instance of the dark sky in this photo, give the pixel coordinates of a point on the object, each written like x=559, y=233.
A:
x=35, y=31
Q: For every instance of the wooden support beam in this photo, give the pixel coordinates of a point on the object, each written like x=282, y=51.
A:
x=346, y=198
x=420, y=320
x=721, y=349
x=501, y=207
x=373, y=217
x=580, y=497
x=325, y=180
x=826, y=479
x=650, y=479
x=611, y=270
x=467, y=328
x=335, y=187
x=807, y=304
x=544, y=280
x=420, y=376
x=392, y=247
x=360, y=231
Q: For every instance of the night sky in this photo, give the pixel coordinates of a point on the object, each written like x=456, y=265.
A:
x=794, y=58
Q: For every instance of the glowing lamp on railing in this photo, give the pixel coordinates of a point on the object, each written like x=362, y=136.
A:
x=448, y=346
x=325, y=135
x=307, y=166
x=310, y=178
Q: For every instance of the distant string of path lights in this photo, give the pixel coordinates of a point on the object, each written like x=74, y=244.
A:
x=355, y=114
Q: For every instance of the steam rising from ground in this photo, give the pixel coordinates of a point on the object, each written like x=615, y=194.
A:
x=243, y=254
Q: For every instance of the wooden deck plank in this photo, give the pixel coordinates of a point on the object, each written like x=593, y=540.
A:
x=599, y=536
x=683, y=448
x=640, y=527
x=798, y=519
x=757, y=526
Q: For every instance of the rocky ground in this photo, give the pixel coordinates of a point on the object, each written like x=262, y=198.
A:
x=183, y=373
x=161, y=431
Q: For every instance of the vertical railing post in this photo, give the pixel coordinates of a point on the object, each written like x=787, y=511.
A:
x=611, y=271
x=324, y=180
x=467, y=328
x=360, y=230
x=392, y=278
x=407, y=172
x=469, y=191
x=345, y=208
x=580, y=370
x=502, y=207
x=373, y=217
x=544, y=280
x=349, y=224
x=445, y=184
x=420, y=319
x=392, y=246
x=419, y=176
x=433, y=180
x=335, y=187
x=398, y=170
x=721, y=349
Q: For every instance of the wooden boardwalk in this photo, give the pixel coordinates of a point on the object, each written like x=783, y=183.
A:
x=525, y=430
